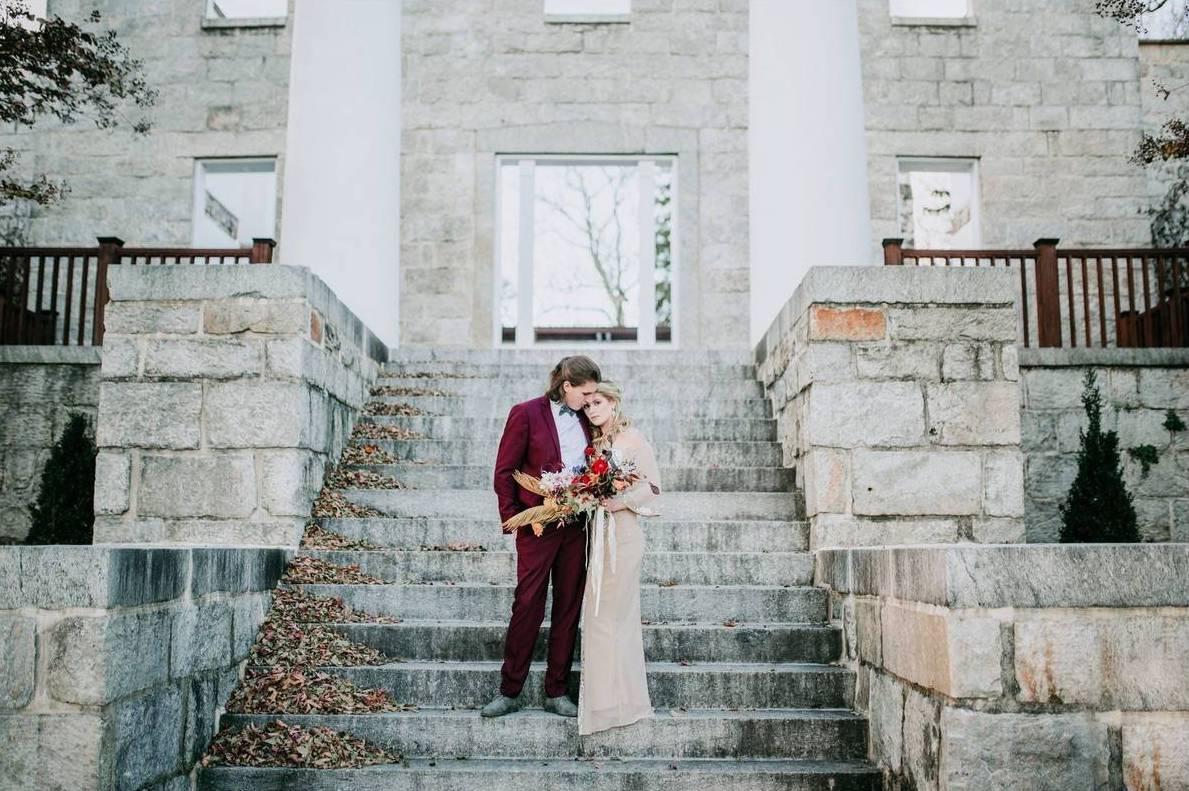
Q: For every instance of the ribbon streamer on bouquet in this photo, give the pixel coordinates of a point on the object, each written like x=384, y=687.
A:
x=604, y=542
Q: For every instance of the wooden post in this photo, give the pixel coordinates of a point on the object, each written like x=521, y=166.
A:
x=261, y=251
x=1048, y=294
x=893, y=252
x=109, y=254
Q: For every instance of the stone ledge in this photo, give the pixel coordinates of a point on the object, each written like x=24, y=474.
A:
x=50, y=355
x=1060, y=358
x=172, y=283
x=1042, y=575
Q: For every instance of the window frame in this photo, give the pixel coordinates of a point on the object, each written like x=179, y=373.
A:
x=942, y=164
x=966, y=19
x=586, y=17
x=199, y=187
x=212, y=22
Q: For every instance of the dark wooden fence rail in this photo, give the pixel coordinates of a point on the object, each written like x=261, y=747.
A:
x=1125, y=298
x=57, y=295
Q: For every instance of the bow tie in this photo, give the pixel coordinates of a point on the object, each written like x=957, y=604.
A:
x=565, y=410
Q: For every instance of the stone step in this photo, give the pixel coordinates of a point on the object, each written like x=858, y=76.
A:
x=624, y=373
x=455, y=641
x=673, y=479
x=657, y=429
x=662, y=534
x=547, y=357
x=479, y=502
x=687, y=568
x=684, y=603
x=699, y=453
x=496, y=405
x=522, y=388
x=670, y=684
x=534, y=775
x=789, y=734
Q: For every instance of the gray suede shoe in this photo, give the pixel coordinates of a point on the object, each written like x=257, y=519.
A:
x=562, y=705
x=500, y=706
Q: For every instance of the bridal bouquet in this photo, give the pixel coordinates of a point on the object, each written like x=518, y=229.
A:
x=573, y=492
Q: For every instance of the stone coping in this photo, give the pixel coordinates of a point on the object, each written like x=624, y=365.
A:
x=1060, y=358
x=243, y=281
x=1013, y=575
x=50, y=355
x=897, y=285
x=115, y=575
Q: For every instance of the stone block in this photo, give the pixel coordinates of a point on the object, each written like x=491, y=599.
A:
x=886, y=721
x=165, y=283
x=1156, y=752
x=830, y=323
x=950, y=324
x=254, y=414
x=203, y=358
x=18, y=658
x=1126, y=660
x=847, y=530
x=827, y=481
x=1053, y=388
x=201, y=639
x=286, y=357
x=922, y=741
x=914, y=361
x=150, y=318
x=961, y=361
x=916, y=482
x=290, y=481
x=112, y=470
x=54, y=752
x=58, y=577
x=868, y=630
x=1004, y=530
x=220, y=486
x=149, y=415
x=248, y=612
x=866, y=414
x=957, y=656
x=1022, y=752
x=1003, y=484
x=93, y=660
x=233, y=316
x=147, y=733
x=121, y=357
x=968, y=413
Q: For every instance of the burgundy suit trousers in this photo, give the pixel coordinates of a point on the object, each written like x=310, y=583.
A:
x=558, y=554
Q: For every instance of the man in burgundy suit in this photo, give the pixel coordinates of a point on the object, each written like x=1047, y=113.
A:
x=544, y=435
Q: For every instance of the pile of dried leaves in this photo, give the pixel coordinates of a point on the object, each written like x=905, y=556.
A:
x=318, y=537
x=340, y=478
x=409, y=392
x=334, y=505
x=383, y=431
x=278, y=744
x=453, y=546
x=285, y=643
x=366, y=453
x=298, y=606
x=306, y=570
x=291, y=690
x=392, y=410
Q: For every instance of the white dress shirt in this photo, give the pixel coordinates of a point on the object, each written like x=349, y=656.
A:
x=570, y=436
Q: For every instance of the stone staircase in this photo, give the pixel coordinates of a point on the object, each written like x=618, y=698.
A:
x=740, y=656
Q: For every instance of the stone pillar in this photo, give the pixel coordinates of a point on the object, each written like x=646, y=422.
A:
x=898, y=398
x=225, y=390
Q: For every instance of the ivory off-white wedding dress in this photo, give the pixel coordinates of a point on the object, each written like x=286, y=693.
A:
x=614, y=690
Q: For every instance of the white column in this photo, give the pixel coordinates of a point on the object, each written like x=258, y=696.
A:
x=525, y=334
x=341, y=207
x=807, y=148
x=646, y=192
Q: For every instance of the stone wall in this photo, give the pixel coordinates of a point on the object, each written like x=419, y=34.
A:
x=1138, y=387
x=40, y=388
x=116, y=660
x=223, y=92
x=482, y=79
x=896, y=391
x=1052, y=118
x=226, y=390
x=1167, y=66
x=1017, y=668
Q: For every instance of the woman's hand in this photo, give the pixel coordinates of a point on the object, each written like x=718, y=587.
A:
x=612, y=505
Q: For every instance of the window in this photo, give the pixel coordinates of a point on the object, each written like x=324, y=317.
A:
x=588, y=10
x=234, y=201
x=1169, y=22
x=246, y=9
x=938, y=203
x=586, y=249
x=938, y=9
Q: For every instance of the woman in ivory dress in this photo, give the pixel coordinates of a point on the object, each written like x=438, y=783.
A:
x=614, y=690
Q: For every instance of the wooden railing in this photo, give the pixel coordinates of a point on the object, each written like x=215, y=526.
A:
x=1125, y=298
x=57, y=295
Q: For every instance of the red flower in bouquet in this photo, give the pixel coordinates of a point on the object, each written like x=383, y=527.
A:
x=589, y=452
x=600, y=466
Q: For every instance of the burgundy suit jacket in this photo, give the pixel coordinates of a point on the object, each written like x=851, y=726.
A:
x=529, y=444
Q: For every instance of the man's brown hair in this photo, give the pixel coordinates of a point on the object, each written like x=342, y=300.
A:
x=577, y=370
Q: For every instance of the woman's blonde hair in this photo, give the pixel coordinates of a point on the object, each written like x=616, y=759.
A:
x=605, y=433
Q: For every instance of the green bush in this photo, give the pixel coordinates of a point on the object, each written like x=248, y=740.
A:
x=1099, y=507
x=64, y=512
